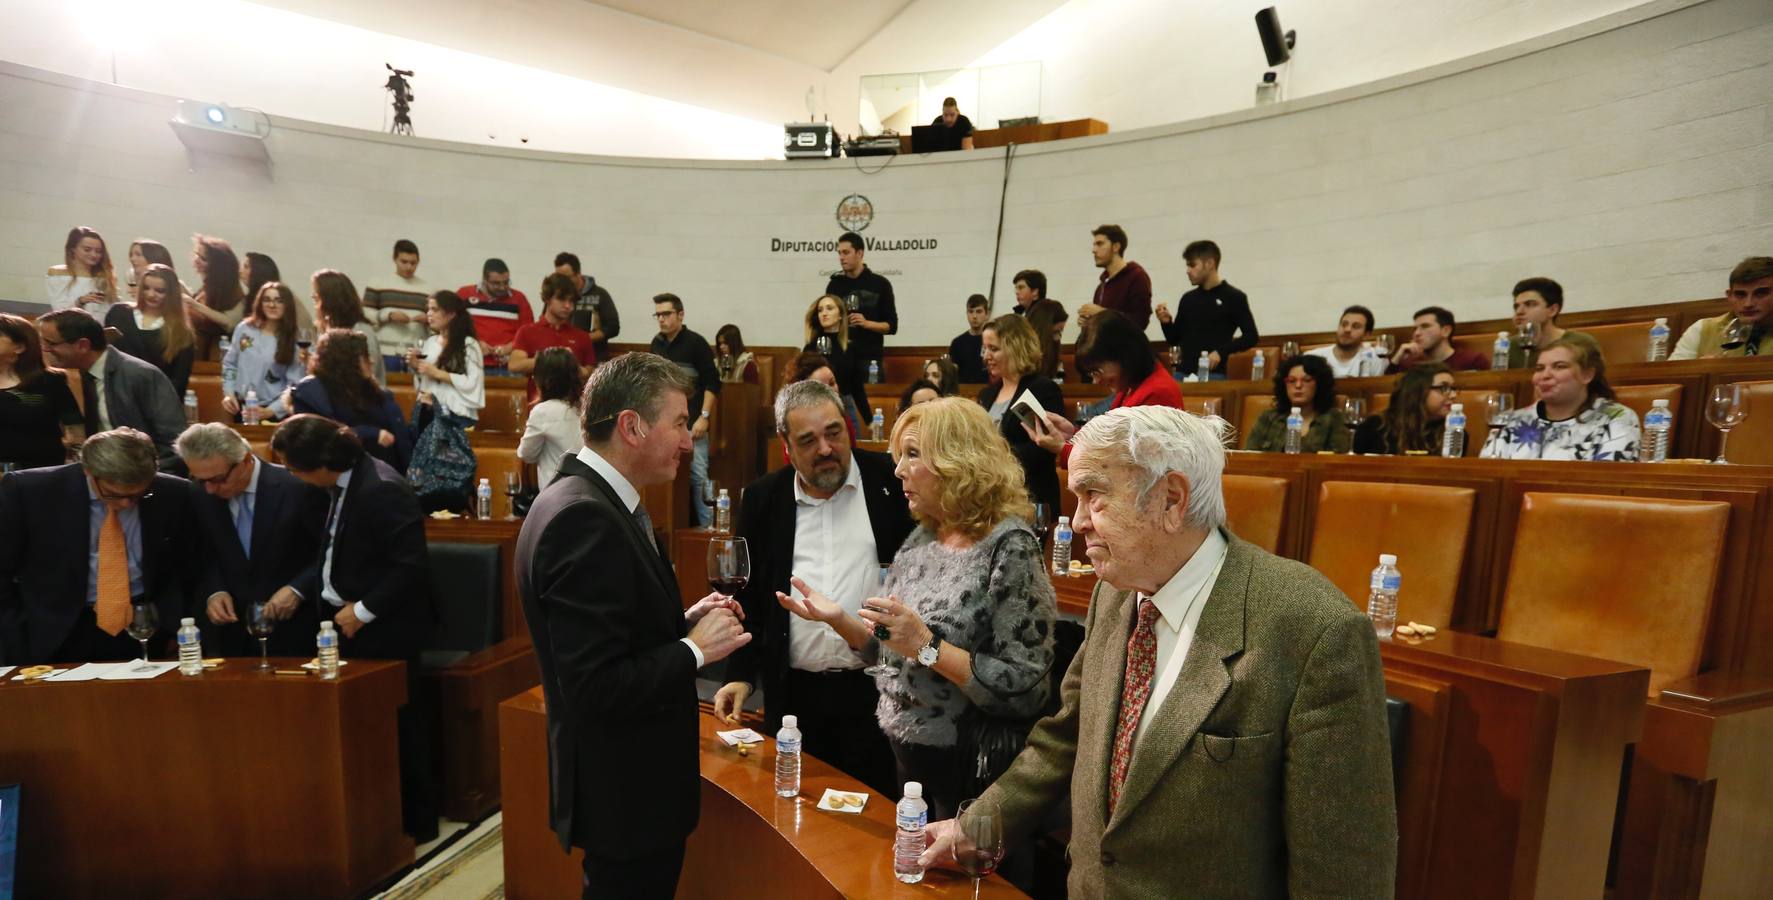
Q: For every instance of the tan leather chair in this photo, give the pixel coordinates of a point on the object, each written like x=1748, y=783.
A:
x=1622, y=578
x=505, y=410
x=1237, y=368
x=492, y=464
x=1255, y=507
x=404, y=396
x=208, y=389
x=1640, y=397
x=1477, y=420
x=1626, y=342
x=1204, y=406
x=1254, y=405
x=1425, y=526
x=1377, y=403
x=1751, y=443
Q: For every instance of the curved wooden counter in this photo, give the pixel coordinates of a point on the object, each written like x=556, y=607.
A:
x=750, y=843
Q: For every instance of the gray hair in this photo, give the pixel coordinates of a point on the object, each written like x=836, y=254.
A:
x=212, y=440
x=1158, y=440
x=120, y=456
x=800, y=395
x=636, y=381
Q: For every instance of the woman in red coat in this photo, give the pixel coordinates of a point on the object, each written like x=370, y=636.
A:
x=1119, y=356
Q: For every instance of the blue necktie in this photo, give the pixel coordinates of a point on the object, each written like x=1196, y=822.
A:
x=243, y=524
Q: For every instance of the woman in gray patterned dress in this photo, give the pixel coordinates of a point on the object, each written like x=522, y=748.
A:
x=968, y=613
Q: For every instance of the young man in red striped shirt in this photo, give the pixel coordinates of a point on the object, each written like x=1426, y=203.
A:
x=498, y=311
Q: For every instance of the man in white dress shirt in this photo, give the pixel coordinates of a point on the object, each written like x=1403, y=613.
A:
x=832, y=520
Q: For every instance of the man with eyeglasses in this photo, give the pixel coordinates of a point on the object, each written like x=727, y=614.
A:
x=258, y=527
x=691, y=353
x=120, y=390
x=126, y=520
x=498, y=311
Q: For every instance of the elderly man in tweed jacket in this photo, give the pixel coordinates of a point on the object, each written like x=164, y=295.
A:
x=1223, y=729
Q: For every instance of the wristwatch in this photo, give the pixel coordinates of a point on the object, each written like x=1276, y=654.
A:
x=926, y=655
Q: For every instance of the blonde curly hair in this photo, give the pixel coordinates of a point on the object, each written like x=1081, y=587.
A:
x=1018, y=343
x=980, y=481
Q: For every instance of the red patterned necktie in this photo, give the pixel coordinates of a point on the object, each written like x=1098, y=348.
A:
x=1135, y=690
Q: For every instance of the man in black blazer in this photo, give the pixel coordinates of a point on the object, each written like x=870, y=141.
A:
x=259, y=528
x=835, y=519
x=53, y=525
x=121, y=391
x=370, y=577
x=618, y=651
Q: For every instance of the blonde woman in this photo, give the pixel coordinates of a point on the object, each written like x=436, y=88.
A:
x=968, y=609
x=1013, y=359
x=156, y=327
x=85, y=279
x=828, y=334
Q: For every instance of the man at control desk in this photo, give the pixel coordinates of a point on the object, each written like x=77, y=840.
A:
x=868, y=301
x=1222, y=730
x=957, y=130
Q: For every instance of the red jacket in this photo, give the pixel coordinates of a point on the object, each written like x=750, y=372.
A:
x=496, y=321
x=1158, y=389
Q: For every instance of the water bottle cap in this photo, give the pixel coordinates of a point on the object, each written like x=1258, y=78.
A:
x=723, y=492
x=184, y=622
x=1502, y=335
x=1662, y=320
x=1298, y=411
x=914, y=790
x=1459, y=407
x=1663, y=403
x=1387, y=559
x=877, y=411
x=1258, y=354
x=790, y=721
x=1064, y=520
x=325, y=626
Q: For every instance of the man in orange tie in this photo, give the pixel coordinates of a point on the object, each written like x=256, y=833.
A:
x=132, y=524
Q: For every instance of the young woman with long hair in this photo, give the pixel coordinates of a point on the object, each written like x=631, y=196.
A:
x=220, y=303
x=736, y=364
x=342, y=388
x=552, y=430
x=1417, y=415
x=39, y=419
x=263, y=357
x=828, y=334
x=85, y=279
x=338, y=305
x=449, y=369
x=144, y=253
x=157, y=328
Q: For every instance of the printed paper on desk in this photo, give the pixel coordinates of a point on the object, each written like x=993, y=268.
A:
x=6, y=669
x=739, y=736
x=128, y=672
x=87, y=672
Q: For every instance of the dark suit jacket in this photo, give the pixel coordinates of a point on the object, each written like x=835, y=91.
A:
x=45, y=552
x=287, y=517
x=1264, y=773
x=1039, y=467
x=311, y=397
x=766, y=522
x=605, y=617
x=140, y=396
x=378, y=559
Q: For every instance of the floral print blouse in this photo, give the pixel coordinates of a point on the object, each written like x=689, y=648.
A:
x=1606, y=431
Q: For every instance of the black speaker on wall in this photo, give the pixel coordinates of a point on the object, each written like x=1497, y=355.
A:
x=1276, y=43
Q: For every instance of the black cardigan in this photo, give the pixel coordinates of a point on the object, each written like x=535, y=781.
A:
x=1039, y=467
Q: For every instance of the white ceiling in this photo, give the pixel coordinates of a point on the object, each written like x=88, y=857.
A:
x=817, y=33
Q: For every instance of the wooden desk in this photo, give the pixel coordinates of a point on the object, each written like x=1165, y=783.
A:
x=750, y=843
x=1025, y=134
x=232, y=783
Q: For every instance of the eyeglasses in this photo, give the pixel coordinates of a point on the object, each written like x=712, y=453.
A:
x=119, y=498
x=665, y=315
x=219, y=479
x=1446, y=389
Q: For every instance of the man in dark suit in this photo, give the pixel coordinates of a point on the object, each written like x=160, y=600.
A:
x=259, y=528
x=834, y=519
x=81, y=544
x=618, y=651
x=121, y=391
x=370, y=578
x=1222, y=730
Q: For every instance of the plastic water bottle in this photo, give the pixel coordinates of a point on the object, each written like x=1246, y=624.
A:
x=1062, y=547
x=1204, y=368
x=328, y=646
x=190, y=648
x=877, y=427
x=224, y=345
x=483, y=499
x=910, y=840
x=1453, y=438
x=1382, y=598
x=788, y=758
x=874, y=371
x=1258, y=367
x=1499, y=352
x=190, y=407
x=1658, y=422
x=1659, y=341
x=1295, y=430
x=249, y=408
x=723, y=512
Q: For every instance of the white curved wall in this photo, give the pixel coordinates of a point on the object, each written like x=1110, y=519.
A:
x=1633, y=162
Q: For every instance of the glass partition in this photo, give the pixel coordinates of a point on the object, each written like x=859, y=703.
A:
x=987, y=95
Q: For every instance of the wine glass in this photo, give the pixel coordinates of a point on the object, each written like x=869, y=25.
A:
x=1529, y=336
x=513, y=487
x=852, y=303
x=1209, y=406
x=1042, y=518
x=1289, y=349
x=822, y=343
x=1388, y=344
x=1354, y=409
x=1176, y=357
x=1735, y=334
x=978, y=839
x=1497, y=408
x=710, y=497
x=259, y=625
x=142, y=625
x=729, y=564
x=1727, y=409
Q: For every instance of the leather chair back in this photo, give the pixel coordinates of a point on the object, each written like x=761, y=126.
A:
x=1377, y=403
x=1751, y=443
x=466, y=590
x=1256, y=508
x=1238, y=367
x=492, y=464
x=505, y=410
x=1626, y=342
x=1621, y=578
x=404, y=397
x=1254, y=406
x=1424, y=525
x=1204, y=405
x=1640, y=397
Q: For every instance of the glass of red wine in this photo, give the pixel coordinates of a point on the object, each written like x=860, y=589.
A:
x=978, y=841
x=729, y=564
